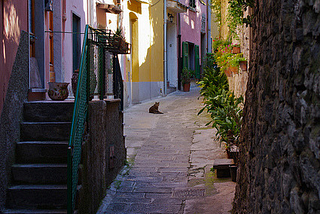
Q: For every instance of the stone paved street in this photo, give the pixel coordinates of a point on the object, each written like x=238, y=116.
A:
x=170, y=156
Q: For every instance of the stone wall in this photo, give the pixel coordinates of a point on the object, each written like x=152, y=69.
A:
x=280, y=142
x=237, y=83
x=104, y=136
x=11, y=114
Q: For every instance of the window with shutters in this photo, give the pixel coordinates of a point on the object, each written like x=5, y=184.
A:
x=196, y=61
x=190, y=57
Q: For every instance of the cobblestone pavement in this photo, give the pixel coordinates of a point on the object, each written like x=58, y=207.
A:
x=170, y=156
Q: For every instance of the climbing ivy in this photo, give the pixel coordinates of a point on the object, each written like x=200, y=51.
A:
x=235, y=15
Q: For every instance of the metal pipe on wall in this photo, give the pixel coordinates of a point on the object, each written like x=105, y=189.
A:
x=165, y=46
x=209, y=45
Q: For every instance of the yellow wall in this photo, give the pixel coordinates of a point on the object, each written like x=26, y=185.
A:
x=135, y=50
x=156, y=17
x=224, y=26
x=214, y=26
x=147, y=41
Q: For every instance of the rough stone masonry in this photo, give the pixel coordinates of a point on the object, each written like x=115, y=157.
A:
x=280, y=144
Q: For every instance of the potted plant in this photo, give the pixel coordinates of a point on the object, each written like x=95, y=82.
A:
x=236, y=49
x=186, y=75
x=243, y=65
x=58, y=90
x=234, y=61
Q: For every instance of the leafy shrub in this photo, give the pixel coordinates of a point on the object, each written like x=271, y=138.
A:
x=225, y=109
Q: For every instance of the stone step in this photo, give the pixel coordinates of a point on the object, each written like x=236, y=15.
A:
x=41, y=152
x=40, y=173
x=48, y=111
x=223, y=167
x=47, y=131
x=37, y=197
x=24, y=211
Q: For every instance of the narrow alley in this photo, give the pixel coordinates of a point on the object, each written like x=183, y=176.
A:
x=170, y=156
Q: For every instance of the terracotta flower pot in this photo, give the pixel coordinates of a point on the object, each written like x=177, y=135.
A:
x=243, y=65
x=230, y=71
x=235, y=50
x=186, y=87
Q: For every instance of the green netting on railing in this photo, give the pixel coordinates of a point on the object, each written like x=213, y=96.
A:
x=78, y=125
x=93, y=65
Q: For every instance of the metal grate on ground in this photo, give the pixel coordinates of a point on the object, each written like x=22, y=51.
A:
x=187, y=193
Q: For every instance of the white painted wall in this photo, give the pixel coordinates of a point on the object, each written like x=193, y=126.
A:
x=172, y=60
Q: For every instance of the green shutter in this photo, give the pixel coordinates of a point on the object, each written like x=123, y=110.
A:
x=197, y=65
x=185, y=54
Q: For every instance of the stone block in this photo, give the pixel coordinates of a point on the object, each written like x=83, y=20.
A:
x=222, y=166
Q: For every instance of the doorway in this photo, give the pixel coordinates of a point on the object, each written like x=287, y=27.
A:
x=76, y=39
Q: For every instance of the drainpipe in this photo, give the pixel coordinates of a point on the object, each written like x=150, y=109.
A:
x=209, y=50
x=179, y=53
x=165, y=45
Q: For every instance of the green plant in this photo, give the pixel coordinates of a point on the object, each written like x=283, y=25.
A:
x=224, y=108
x=186, y=75
x=213, y=80
x=227, y=117
x=219, y=44
x=118, y=33
x=236, y=59
x=209, y=61
x=223, y=56
x=223, y=60
x=235, y=15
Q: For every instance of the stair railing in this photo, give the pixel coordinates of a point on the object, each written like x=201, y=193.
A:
x=93, y=60
x=78, y=123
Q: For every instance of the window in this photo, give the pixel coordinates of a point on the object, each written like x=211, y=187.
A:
x=192, y=3
x=32, y=30
x=51, y=58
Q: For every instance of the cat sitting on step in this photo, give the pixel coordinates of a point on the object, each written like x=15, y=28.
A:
x=155, y=109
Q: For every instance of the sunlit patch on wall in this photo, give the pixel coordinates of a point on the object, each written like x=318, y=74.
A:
x=4, y=51
x=186, y=19
x=11, y=25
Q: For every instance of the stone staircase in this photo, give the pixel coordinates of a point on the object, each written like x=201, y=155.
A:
x=39, y=175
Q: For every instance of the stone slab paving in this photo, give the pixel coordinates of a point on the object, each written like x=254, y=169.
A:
x=170, y=156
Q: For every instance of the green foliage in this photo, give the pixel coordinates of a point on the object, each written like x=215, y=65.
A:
x=219, y=43
x=223, y=56
x=118, y=33
x=235, y=15
x=209, y=61
x=213, y=80
x=226, y=115
x=225, y=109
x=235, y=59
x=186, y=75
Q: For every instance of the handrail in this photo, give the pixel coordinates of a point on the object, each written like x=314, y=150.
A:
x=77, y=127
x=104, y=40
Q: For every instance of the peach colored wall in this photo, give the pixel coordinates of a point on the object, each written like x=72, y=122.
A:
x=14, y=19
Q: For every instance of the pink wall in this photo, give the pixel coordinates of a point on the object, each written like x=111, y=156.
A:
x=14, y=19
x=78, y=8
x=191, y=23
